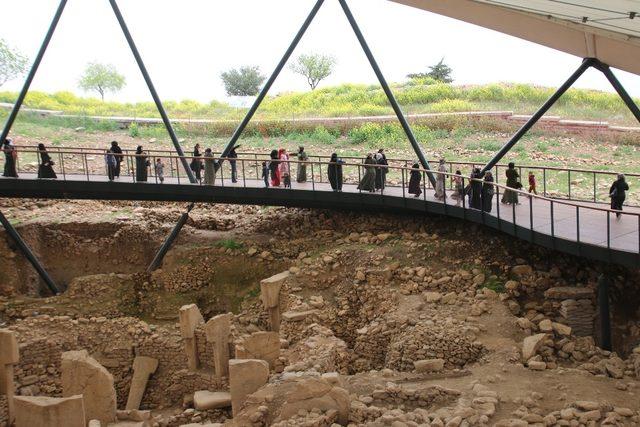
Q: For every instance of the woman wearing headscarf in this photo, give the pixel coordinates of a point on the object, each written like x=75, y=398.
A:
x=440, y=180
x=196, y=162
x=274, y=170
x=334, y=172
x=302, y=167
x=476, y=189
x=209, y=167
x=414, y=181
x=111, y=163
x=511, y=197
x=10, y=156
x=618, y=192
x=381, y=171
x=45, y=168
x=487, y=192
x=284, y=166
x=368, y=181
x=142, y=163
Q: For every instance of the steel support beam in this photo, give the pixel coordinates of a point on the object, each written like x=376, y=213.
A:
x=29, y=255
x=604, y=68
x=32, y=72
x=263, y=93
x=586, y=64
x=604, y=312
x=152, y=89
x=157, y=260
x=387, y=91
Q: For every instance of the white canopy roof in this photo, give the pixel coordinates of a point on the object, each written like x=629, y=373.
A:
x=605, y=29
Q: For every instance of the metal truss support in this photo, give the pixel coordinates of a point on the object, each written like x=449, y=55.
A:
x=387, y=90
x=263, y=93
x=29, y=255
x=154, y=93
x=604, y=68
x=32, y=72
x=604, y=312
x=157, y=260
x=586, y=64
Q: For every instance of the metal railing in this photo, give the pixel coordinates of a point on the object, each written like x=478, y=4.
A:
x=579, y=221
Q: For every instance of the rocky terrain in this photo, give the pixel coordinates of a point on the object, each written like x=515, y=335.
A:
x=363, y=320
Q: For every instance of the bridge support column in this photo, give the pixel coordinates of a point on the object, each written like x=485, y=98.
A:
x=586, y=64
x=604, y=68
x=29, y=255
x=157, y=260
x=604, y=312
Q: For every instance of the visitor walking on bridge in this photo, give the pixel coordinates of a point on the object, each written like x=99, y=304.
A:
x=510, y=197
x=209, y=167
x=334, y=172
x=381, y=171
x=111, y=163
x=45, y=168
x=302, y=167
x=284, y=167
x=196, y=163
x=159, y=166
x=487, y=192
x=458, y=184
x=440, y=180
x=475, y=201
x=414, y=181
x=618, y=192
x=273, y=169
x=10, y=156
x=232, y=156
x=265, y=174
x=117, y=154
x=368, y=181
x=142, y=163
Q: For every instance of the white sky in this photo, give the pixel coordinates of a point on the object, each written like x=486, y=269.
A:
x=186, y=44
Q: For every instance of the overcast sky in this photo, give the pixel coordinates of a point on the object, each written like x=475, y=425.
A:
x=186, y=44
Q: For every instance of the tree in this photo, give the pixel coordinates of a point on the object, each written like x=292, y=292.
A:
x=314, y=67
x=101, y=78
x=244, y=81
x=440, y=72
x=12, y=63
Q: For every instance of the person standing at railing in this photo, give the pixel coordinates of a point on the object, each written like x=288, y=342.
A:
x=232, y=156
x=532, y=183
x=111, y=163
x=209, y=167
x=334, y=172
x=265, y=174
x=274, y=170
x=440, y=180
x=302, y=167
x=284, y=166
x=159, y=166
x=45, y=168
x=10, y=156
x=368, y=181
x=414, y=181
x=117, y=153
x=487, y=192
x=513, y=181
x=458, y=185
x=618, y=192
x=475, y=201
x=142, y=163
x=381, y=172
x=196, y=163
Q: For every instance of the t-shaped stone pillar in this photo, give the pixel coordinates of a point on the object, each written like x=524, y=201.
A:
x=190, y=318
x=270, y=296
x=9, y=356
x=218, y=329
x=143, y=367
x=245, y=377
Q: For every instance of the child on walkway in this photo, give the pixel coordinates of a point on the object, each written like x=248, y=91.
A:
x=265, y=174
x=532, y=183
x=159, y=167
x=287, y=180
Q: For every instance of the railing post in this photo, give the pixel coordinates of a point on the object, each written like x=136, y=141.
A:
x=544, y=182
x=578, y=224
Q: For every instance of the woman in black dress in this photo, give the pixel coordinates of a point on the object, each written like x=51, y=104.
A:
x=45, y=169
x=487, y=192
x=196, y=163
x=142, y=163
x=618, y=193
x=9, y=159
x=414, y=181
x=334, y=172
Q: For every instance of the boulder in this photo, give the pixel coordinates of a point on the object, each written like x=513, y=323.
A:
x=33, y=411
x=531, y=345
x=561, y=329
x=429, y=365
x=245, y=377
x=522, y=270
x=204, y=400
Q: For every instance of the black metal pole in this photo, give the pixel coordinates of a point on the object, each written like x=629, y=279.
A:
x=263, y=93
x=604, y=313
x=157, y=260
x=29, y=255
x=588, y=62
x=32, y=72
x=604, y=68
x=388, y=92
x=152, y=89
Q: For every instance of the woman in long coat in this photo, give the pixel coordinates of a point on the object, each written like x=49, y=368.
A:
x=440, y=180
x=45, y=169
x=142, y=163
x=302, y=168
x=368, y=181
x=476, y=189
x=487, y=192
x=414, y=181
x=381, y=172
x=618, y=192
x=511, y=197
x=196, y=163
x=10, y=155
x=274, y=170
x=209, y=167
x=334, y=172
x=284, y=166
